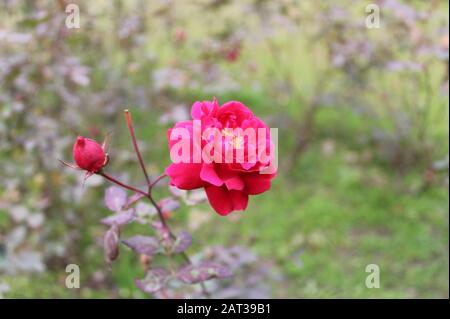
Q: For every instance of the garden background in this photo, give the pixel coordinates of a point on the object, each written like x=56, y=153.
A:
x=363, y=146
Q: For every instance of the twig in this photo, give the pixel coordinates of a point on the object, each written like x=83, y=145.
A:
x=136, y=148
x=116, y=181
x=149, y=194
x=160, y=214
x=159, y=178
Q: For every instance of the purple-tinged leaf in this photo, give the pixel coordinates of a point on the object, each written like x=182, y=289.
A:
x=154, y=280
x=143, y=210
x=120, y=218
x=183, y=241
x=111, y=243
x=192, y=274
x=162, y=230
x=115, y=198
x=144, y=213
x=168, y=205
x=143, y=244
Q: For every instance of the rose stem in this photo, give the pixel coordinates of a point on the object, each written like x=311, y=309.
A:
x=136, y=148
x=115, y=181
x=160, y=215
x=151, y=186
x=157, y=180
x=149, y=194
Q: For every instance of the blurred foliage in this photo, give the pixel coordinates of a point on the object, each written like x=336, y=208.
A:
x=363, y=138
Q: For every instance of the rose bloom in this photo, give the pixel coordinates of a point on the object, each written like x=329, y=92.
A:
x=228, y=184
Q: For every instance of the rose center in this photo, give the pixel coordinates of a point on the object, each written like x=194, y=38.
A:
x=236, y=141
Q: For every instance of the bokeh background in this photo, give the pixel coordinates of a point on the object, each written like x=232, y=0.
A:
x=363, y=139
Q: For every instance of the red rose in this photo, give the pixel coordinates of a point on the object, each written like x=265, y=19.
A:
x=223, y=155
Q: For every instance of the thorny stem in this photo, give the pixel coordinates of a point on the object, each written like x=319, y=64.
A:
x=171, y=234
x=115, y=181
x=143, y=193
x=157, y=180
x=149, y=193
x=134, y=201
x=158, y=209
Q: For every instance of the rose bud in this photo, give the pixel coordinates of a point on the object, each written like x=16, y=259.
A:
x=89, y=155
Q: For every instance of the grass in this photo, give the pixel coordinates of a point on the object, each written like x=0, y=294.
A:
x=336, y=211
x=331, y=215
x=323, y=221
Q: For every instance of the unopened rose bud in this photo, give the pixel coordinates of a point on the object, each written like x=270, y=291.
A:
x=89, y=155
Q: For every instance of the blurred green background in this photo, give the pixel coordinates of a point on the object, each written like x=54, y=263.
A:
x=363, y=127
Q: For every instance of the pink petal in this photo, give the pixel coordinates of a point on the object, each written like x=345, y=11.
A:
x=185, y=175
x=237, y=108
x=184, y=124
x=208, y=174
x=231, y=178
x=200, y=109
x=196, y=111
x=247, y=166
x=235, y=183
x=257, y=183
x=240, y=200
x=224, y=201
x=218, y=198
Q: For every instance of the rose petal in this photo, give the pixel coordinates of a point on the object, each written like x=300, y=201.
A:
x=256, y=183
x=218, y=198
x=225, y=201
x=200, y=109
x=240, y=200
x=185, y=175
x=235, y=183
x=208, y=174
x=232, y=179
